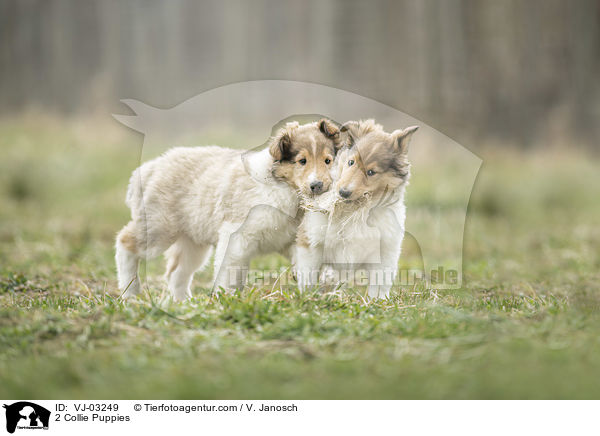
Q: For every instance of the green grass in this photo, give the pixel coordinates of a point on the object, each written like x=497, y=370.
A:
x=525, y=324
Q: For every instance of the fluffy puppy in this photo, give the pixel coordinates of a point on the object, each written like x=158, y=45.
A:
x=360, y=223
x=189, y=200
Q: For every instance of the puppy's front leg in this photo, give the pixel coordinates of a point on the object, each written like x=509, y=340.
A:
x=382, y=274
x=308, y=266
x=310, y=244
x=232, y=259
x=381, y=279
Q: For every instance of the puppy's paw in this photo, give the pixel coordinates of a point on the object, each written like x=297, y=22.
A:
x=131, y=290
x=377, y=292
x=329, y=276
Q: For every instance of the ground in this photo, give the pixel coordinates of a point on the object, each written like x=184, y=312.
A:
x=525, y=324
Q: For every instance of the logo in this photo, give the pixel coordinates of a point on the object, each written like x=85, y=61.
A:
x=26, y=415
x=435, y=217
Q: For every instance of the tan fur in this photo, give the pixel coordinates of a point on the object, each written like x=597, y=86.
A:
x=127, y=238
x=297, y=144
x=302, y=238
x=370, y=148
x=357, y=129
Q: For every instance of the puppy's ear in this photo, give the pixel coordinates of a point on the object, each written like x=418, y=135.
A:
x=350, y=127
x=329, y=129
x=402, y=138
x=281, y=146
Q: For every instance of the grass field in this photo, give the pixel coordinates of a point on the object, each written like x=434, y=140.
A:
x=525, y=325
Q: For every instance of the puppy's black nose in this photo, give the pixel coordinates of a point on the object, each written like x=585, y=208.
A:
x=316, y=187
x=344, y=193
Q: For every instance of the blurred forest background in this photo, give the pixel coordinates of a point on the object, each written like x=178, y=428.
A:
x=519, y=72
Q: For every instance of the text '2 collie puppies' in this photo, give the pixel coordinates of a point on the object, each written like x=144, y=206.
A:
x=189, y=200
x=359, y=224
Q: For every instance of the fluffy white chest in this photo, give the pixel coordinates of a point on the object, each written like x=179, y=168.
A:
x=267, y=192
x=364, y=237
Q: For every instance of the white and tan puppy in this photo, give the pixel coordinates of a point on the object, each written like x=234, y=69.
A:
x=190, y=200
x=360, y=223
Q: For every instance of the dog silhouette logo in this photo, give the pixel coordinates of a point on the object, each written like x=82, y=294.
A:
x=241, y=113
x=26, y=415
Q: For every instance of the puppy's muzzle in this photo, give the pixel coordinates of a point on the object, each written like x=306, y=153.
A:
x=344, y=193
x=316, y=187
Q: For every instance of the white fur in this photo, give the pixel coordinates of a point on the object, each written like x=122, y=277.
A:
x=127, y=270
x=347, y=237
x=192, y=199
x=258, y=164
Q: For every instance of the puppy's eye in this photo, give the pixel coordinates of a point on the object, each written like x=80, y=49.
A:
x=370, y=173
x=350, y=162
x=302, y=161
x=327, y=161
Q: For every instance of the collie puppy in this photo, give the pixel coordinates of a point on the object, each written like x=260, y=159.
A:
x=191, y=200
x=358, y=225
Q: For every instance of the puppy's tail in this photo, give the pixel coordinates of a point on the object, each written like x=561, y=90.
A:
x=134, y=196
x=133, y=187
